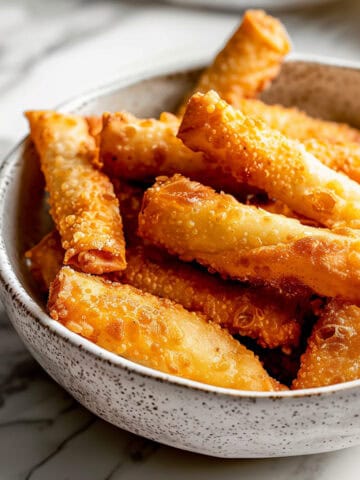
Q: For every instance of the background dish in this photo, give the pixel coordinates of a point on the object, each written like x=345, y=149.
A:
x=242, y=4
x=174, y=411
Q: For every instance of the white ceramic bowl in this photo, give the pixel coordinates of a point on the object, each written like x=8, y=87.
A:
x=171, y=410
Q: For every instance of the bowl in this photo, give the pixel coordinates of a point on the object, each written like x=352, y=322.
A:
x=171, y=410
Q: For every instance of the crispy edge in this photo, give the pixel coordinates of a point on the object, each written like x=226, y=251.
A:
x=332, y=353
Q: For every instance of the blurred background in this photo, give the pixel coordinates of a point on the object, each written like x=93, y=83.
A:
x=51, y=50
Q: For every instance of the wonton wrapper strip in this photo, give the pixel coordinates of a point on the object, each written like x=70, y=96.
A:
x=268, y=160
x=141, y=149
x=249, y=61
x=46, y=259
x=247, y=243
x=260, y=313
x=279, y=208
x=154, y=332
x=298, y=125
x=83, y=204
x=332, y=354
x=342, y=157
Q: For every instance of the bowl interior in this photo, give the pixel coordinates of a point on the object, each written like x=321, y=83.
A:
x=328, y=91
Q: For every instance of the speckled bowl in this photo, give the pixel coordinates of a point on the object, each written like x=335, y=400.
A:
x=171, y=410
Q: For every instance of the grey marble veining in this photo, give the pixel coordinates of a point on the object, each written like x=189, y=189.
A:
x=50, y=51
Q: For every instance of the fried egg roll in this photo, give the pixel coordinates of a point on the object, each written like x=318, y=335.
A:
x=154, y=332
x=332, y=354
x=268, y=160
x=260, y=313
x=82, y=200
x=297, y=124
x=247, y=243
x=250, y=59
x=342, y=157
x=46, y=259
x=141, y=149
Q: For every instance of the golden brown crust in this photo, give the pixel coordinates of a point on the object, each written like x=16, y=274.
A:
x=95, y=127
x=83, y=205
x=250, y=59
x=141, y=149
x=342, y=157
x=244, y=242
x=332, y=353
x=130, y=198
x=266, y=159
x=279, y=208
x=46, y=259
x=263, y=314
x=154, y=332
x=297, y=124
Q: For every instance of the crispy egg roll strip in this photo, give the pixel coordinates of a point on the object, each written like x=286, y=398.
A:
x=297, y=124
x=279, y=208
x=247, y=243
x=260, y=313
x=141, y=149
x=82, y=200
x=342, y=157
x=250, y=59
x=46, y=259
x=332, y=353
x=265, y=158
x=154, y=332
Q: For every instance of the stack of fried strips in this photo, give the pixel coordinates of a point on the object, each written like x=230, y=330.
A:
x=166, y=276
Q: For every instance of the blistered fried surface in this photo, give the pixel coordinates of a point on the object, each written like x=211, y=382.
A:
x=250, y=59
x=265, y=158
x=46, y=259
x=82, y=200
x=332, y=355
x=154, y=332
x=297, y=124
x=279, y=208
x=260, y=313
x=342, y=157
x=95, y=126
x=130, y=198
x=141, y=149
x=244, y=242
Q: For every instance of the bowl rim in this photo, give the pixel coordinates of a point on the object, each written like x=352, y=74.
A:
x=12, y=286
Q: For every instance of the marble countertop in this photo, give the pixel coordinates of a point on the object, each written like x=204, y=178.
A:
x=51, y=51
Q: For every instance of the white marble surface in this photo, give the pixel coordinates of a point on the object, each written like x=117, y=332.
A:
x=52, y=50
